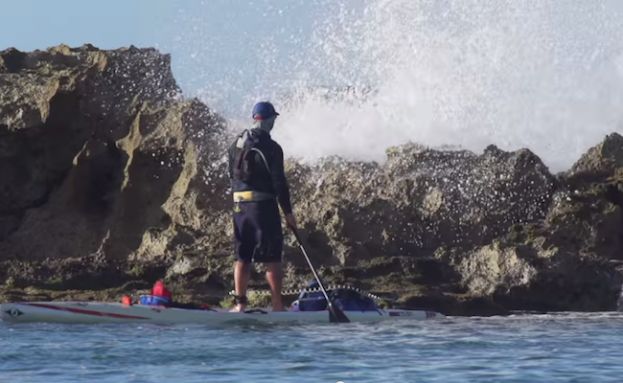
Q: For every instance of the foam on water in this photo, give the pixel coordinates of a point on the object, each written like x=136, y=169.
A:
x=356, y=77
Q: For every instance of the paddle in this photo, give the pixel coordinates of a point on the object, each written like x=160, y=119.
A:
x=336, y=315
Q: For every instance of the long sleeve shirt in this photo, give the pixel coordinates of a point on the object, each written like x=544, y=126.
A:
x=272, y=180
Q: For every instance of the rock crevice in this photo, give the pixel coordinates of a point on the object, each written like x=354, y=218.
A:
x=111, y=179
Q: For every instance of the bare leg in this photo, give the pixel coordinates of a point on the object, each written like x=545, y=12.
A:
x=242, y=273
x=274, y=276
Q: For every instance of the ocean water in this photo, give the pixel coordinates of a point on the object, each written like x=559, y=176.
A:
x=569, y=347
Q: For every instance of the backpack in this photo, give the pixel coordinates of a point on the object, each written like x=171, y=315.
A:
x=246, y=147
x=346, y=298
x=351, y=300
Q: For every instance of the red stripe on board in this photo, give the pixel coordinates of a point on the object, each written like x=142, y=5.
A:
x=85, y=312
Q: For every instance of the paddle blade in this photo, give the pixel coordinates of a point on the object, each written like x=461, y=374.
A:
x=336, y=315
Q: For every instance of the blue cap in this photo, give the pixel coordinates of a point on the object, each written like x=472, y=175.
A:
x=263, y=110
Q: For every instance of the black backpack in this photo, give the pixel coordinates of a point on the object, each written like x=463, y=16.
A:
x=346, y=298
x=246, y=147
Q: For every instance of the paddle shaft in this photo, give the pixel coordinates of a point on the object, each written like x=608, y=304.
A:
x=338, y=314
x=324, y=292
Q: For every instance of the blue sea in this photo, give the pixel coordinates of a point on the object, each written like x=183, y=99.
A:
x=570, y=347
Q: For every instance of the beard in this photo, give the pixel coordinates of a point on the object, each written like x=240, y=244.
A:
x=266, y=124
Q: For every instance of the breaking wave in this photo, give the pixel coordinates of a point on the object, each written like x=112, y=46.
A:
x=352, y=78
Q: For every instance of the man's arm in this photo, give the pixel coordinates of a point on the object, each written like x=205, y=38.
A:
x=281, y=184
x=230, y=158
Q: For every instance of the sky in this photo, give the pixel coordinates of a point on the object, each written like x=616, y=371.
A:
x=37, y=24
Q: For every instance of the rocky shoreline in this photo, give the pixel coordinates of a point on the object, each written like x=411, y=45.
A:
x=111, y=180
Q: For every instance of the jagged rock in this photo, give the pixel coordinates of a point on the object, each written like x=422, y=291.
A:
x=602, y=159
x=586, y=214
x=111, y=179
x=419, y=200
x=109, y=158
x=492, y=269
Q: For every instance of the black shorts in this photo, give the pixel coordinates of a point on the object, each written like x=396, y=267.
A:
x=258, y=236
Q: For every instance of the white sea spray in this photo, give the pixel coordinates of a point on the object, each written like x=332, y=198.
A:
x=352, y=78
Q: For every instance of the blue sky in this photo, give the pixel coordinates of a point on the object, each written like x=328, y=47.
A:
x=37, y=24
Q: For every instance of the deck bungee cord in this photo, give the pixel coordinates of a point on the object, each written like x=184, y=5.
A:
x=317, y=290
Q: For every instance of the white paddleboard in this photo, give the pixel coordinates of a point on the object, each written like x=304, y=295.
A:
x=103, y=312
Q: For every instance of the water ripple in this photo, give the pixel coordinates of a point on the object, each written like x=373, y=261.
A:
x=567, y=347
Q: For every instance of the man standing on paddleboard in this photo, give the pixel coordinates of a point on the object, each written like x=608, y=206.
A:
x=259, y=187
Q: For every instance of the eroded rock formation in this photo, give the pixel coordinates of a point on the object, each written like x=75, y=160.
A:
x=101, y=159
x=111, y=179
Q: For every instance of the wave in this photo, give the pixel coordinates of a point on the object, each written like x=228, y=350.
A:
x=544, y=75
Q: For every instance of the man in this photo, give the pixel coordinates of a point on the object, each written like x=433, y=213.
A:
x=258, y=181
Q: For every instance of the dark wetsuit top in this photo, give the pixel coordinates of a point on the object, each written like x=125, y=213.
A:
x=261, y=180
x=258, y=234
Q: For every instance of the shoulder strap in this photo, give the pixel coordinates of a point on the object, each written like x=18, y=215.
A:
x=263, y=158
x=241, y=143
x=242, y=139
